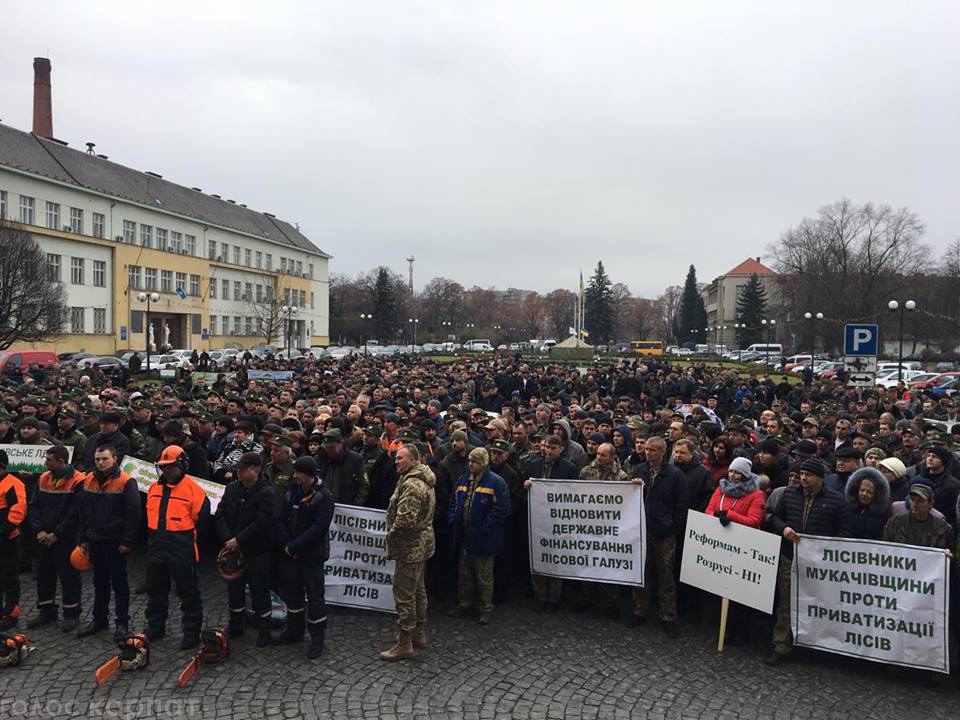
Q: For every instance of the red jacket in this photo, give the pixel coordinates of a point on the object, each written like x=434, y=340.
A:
x=747, y=510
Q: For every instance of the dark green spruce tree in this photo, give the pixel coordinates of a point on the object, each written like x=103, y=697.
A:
x=599, y=316
x=751, y=309
x=692, y=318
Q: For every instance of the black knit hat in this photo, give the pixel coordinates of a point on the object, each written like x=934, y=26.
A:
x=307, y=465
x=814, y=467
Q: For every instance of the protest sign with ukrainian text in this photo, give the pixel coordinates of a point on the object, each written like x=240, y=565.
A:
x=585, y=530
x=877, y=600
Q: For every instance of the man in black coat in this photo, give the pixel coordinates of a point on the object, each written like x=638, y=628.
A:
x=174, y=434
x=811, y=508
x=245, y=524
x=304, y=533
x=549, y=466
x=665, y=503
x=342, y=470
x=109, y=434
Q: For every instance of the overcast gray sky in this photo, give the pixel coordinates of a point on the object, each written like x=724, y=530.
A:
x=512, y=143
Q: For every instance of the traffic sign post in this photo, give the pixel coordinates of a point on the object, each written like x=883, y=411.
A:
x=860, y=350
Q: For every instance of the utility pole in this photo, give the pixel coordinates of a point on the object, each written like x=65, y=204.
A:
x=410, y=264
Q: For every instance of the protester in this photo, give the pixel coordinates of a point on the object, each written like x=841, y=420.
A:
x=868, y=494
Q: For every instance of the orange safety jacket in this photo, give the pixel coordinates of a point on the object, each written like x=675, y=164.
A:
x=173, y=513
x=13, y=506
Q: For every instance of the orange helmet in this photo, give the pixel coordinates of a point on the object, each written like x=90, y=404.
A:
x=79, y=559
x=171, y=454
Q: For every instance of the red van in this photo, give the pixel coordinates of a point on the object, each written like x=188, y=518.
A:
x=23, y=358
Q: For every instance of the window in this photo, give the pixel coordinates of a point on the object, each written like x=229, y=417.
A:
x=27, y=205
x=194, y=285
x=213, y=289
x=76, y=319
x=150, y=279
x=76, y=220
x=166, y=281
x=3, y=204
x=100, y=321
x=259, y=259
x=225, y=286
x=236, y=290
x=259, y=292
x=161, y=239
x=129, y=232
x=134, y=275
x=286, y=296
x=300, y=268
x=76, y=270
x=310, y=270
x=136, y=321
x=98, y=223
x=53, y=267
x=236, y=325
x=213, y=324
x=190, y=244
x=195, y=324
x=176, y=241
x=269, y=262
x=248, y=292
x=236, y=254
x=146, y=236
x=248, y=325
x=247, y=254
x=283, y=264
x=99, y=273
x=53, y=215
x=181, y=281
x=212, y=250
x=311, y=301
x=225, y=324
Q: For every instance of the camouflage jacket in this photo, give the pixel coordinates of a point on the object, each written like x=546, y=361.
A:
x=903, y=529
x=410, y=516
x=609, y=473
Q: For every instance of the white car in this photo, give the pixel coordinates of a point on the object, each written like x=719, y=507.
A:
x=888, y=378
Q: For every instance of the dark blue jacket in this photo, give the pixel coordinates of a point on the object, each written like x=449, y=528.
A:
x=483, y=536
x=53, y=507
x=666, y=501
x=562, y=469
x=304, y=524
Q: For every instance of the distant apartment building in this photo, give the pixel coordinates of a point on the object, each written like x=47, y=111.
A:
x=720, y=298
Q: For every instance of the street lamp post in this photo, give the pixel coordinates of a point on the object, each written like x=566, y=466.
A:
x=366, y=317
x=148, y=298
x=289, y=311
x=894, y=306
x=738, y=326
x=771, y=326
x=813, y=336
x=413, y=322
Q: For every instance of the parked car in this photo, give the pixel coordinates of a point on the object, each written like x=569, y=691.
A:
x=23, y=358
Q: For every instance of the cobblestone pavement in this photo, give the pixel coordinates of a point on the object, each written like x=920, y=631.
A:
x=524, y=665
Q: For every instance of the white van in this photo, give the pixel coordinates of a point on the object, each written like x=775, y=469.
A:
x=478, y=346
x=772, y=349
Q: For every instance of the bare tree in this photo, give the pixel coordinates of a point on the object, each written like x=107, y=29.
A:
x=267, y=309
x=560, y=306
x=667, y=308
x=32, y=304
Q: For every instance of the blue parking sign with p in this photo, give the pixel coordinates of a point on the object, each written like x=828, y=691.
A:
x=861, y=340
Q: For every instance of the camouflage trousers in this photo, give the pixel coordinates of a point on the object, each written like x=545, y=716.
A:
x=782, y=633
x=410, y=594
x=475, y=586
x=660, y=560
x=547, y=588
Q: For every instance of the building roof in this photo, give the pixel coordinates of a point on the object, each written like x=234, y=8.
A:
x=38, y=156
x=750, y=266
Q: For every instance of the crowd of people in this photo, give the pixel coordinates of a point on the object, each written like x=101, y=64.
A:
x=450, y=452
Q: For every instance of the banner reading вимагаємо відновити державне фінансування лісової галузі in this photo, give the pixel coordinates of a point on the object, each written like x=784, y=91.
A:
x=585, y=530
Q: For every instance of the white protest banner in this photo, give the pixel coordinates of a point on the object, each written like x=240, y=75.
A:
x=875, y=600
x=735, y=562
x=146, y=475
x=585, y=530
x=358, y=573
x=29, y=458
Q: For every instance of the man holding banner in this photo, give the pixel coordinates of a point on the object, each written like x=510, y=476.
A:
x=666, y=506
x=810, y=508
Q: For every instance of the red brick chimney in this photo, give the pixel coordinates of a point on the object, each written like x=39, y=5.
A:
x=42, y=105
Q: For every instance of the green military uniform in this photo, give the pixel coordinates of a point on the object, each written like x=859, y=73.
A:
x=603, y=594
x=522, y=455
x=410, y=542
x=904, y=529
x=279, y=477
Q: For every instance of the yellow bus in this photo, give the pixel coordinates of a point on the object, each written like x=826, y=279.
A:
x=647, y=347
